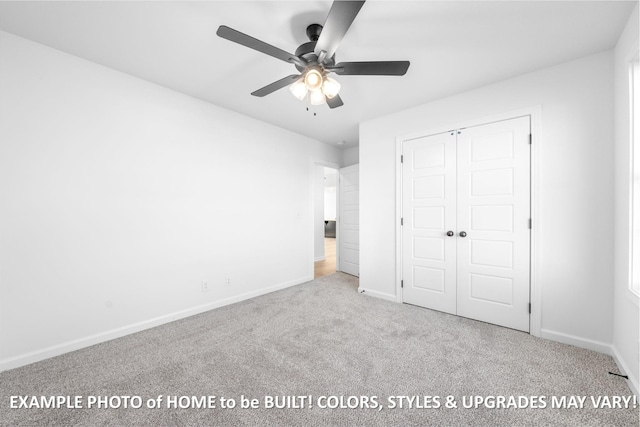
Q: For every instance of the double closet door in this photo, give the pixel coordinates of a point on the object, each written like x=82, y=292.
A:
x=466, y=222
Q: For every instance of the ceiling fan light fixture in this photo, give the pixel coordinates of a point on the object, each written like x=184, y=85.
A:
x=330, y=87
x=299, y=89
x=316, y=58
x=316, y=97
x=313, y=79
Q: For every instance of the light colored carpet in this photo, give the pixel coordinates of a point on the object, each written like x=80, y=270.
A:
x=321, y=338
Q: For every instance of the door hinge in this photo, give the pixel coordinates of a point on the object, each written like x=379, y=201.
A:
x=529, y=308
x=401, y=158
x=530, y=139
x=529, y=223
x=402, y=283
x=401, y=221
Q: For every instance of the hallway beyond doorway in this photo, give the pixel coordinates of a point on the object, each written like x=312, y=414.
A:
x=328, y=265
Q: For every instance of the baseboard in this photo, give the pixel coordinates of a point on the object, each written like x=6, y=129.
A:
x=377, y=294
x=632, y=382
x=598, y=346
x=66, y=347
x=320, y=258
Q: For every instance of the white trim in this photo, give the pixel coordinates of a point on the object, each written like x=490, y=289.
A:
x=399, y=214
x=339, y=216
x=632, y=382
x=632, y=297
x=377, y=294
x=535, y=113
x=66, y=347
x=535, y=320
x=577, y=341
x=598, y=346
x=632, y=86
x=320, y=258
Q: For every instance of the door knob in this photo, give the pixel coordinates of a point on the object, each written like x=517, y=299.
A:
x=463, y=234
x=450, y=233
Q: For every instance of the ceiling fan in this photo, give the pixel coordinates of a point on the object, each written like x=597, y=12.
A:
x=316, y=58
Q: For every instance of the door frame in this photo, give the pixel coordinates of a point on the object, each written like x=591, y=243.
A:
x=337, y=167
x=535, y=113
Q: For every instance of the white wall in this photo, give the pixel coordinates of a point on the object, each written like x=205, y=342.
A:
x=573, y=177
x=118, y=198
x=625, y=305
x=330, y=194
x=350, y=156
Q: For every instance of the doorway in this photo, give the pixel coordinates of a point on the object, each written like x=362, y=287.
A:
x=325, y=221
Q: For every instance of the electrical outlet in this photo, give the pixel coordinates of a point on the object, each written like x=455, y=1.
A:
x=205, y=287
x=227, y=281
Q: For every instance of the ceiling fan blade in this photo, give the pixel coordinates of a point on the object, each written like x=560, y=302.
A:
x=371, y=68
x=341, y=15
x=253, y=43
x=335, y=102
x=276, y=85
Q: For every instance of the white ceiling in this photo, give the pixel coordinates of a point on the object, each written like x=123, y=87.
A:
x=453, y=46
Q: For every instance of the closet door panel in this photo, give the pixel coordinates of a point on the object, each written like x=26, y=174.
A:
x=493, y=211
x=429, y=210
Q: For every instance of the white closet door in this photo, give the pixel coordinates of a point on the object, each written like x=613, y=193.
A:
x=349, y=221
x=494, y=212
x=429, y=211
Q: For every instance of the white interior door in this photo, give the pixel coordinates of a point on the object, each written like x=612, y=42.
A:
x=466, y=213
x=429, y=212
x=349, y=221
x=494, y=212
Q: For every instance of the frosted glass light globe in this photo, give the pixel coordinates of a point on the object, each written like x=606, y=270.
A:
x=316, y=97
x=313, y=79
x=330, y=87
x=299, y=89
